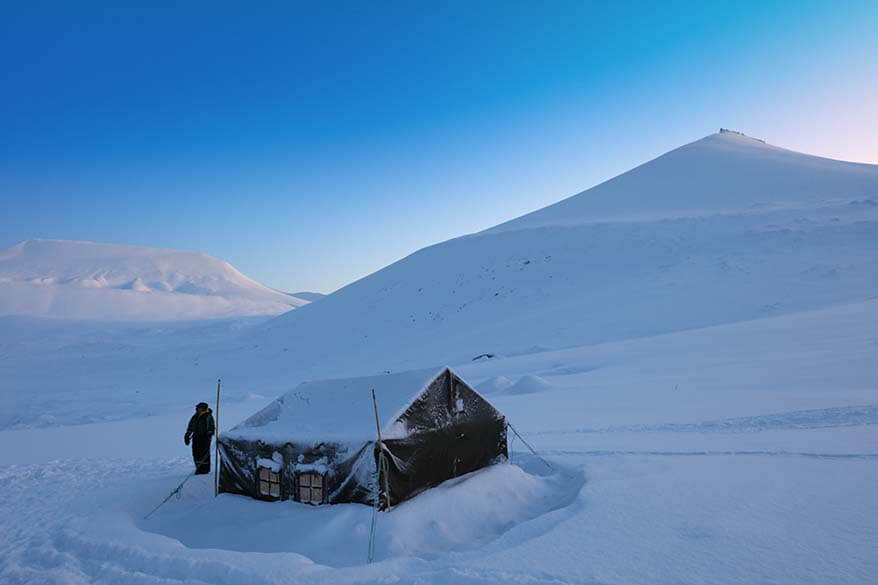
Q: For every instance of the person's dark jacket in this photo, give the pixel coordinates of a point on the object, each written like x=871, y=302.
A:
x=201, y=426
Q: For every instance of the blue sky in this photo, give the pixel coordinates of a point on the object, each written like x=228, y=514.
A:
x=310, y=144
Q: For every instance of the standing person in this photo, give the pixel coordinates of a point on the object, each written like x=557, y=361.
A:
x=200, y=431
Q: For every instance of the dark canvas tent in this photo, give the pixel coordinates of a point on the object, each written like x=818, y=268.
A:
x=318, y=443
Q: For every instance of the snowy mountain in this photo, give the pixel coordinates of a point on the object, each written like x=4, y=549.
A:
x=689, y=347
x=722, y=230
x=85, y=280
x=725, y=172
x=524, y=287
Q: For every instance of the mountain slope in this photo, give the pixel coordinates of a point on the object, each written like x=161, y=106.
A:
x=85, y=280
x=725, y=229
x=721, y=173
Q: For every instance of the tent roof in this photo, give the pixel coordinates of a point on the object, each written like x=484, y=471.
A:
x=336, y=410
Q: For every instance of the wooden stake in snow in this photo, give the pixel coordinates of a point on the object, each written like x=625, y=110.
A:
x=216, y=451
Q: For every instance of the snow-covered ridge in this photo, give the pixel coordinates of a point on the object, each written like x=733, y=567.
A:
x=87, y=280
x=309, y=296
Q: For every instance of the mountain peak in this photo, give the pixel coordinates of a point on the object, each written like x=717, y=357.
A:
x=725, y=172
x=735, y=135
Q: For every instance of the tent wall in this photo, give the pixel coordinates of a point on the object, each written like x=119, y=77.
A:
x=342, y=467
x=452, y=431
x=426, y=459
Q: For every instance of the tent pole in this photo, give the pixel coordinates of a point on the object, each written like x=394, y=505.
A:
x=216, y=439
x=377, y=423
x=381, y=463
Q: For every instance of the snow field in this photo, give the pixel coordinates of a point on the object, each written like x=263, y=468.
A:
x=760, y=472
x=637, y=518
x=736, y=454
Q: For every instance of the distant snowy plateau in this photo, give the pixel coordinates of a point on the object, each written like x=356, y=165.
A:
x=692, y=346
x=90, y=281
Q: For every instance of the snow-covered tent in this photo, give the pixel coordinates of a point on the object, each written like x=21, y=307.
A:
x=318, y=443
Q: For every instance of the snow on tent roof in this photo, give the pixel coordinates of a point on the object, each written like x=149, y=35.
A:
x=336, y=410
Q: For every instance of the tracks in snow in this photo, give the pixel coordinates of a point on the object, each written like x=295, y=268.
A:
x=817, y=418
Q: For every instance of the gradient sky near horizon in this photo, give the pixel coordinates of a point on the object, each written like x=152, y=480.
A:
x=310, y=144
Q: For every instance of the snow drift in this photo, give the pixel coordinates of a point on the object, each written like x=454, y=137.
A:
x=85, y=280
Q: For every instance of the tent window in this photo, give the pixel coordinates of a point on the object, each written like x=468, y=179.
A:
x=269, y=482
x=311, y=487
x=458, y=401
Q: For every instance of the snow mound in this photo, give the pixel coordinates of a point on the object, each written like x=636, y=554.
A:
x=457, y=515
x=86, y=280
x=494, y=384
x=529, y=384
